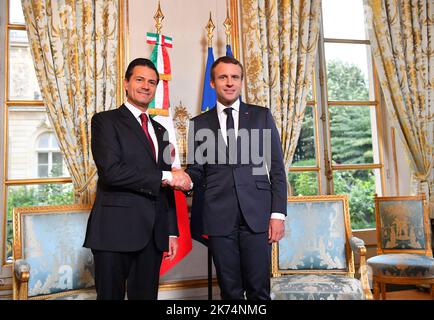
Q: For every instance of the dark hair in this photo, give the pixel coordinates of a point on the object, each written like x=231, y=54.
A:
x=140, y=62
x=226, y=59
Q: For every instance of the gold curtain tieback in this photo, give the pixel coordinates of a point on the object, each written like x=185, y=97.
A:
x=79, y=191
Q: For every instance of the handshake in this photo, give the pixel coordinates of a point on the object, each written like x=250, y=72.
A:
x=180, y=180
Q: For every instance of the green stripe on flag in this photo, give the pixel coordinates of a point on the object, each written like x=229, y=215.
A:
x=154, y=56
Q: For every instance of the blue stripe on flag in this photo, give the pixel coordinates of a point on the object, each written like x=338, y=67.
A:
x=229, y=51
x=208, y=96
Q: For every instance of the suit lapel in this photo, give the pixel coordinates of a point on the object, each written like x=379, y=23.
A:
x=213, y=120
x=243, y=117
x=214, y=125
x=243, y=125
x=159, y=133
x=128, y=119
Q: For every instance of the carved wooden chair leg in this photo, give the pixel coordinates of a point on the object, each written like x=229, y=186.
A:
x=383, y=291
x=376, y=290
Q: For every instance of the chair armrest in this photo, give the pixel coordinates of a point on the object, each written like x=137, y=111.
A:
x=358, y=247
x=22, y=270
x=21, y=279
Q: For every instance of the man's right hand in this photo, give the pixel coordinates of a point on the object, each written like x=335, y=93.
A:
x=180, y=180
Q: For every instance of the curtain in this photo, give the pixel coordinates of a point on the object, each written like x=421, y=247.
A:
x=280, y=39
x=74, y=44
x=402, y=39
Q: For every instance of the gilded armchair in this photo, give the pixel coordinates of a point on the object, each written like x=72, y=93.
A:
x=403, y=244
x=49, y=259
x=314, y=260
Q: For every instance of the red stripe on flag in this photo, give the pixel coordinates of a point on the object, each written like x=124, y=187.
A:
x=165, y=95
x=167, y=69
x=164, y=43
x=184, y=239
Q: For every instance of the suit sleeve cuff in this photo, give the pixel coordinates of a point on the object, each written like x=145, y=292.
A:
x=279, y=216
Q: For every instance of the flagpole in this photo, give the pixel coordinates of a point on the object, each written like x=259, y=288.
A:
x=209, y=28
x=158, y=17
x=228, y=27
x=228, y=31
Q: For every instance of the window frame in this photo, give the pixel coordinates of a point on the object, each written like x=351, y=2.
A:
x=368, y=103
x=7, y=103
x=5, y=27
x=321, y=106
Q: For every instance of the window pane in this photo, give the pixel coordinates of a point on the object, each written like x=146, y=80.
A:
x=53, y=141
x=44, y=141
x=360, y=187
x=303, y=183
x=348, y=71
x=305, y=150
x=56, y=170
x=43, y=171
x=23, y=84
x=27, y=126
x=351, y=136
x=57, y=158
x=16, y=12
x=34, y=195
x=344, y=19
x=310, y=94
x=43, y=158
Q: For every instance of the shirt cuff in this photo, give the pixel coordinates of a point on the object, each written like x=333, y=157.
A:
x=279, y=216
x=173, y=236
x=167, y=175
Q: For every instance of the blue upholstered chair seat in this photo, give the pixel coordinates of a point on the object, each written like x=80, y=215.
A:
x=402, y=265
x=316, y=287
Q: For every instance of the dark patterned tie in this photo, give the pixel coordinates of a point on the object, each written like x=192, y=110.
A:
x=230, y=135
x=144, y=119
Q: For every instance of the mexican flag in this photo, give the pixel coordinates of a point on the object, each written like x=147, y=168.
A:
x=162, y=113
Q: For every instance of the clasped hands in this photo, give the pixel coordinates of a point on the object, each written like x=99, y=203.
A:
x=180, y=180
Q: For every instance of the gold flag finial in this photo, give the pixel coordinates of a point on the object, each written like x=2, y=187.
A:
x=210, y=28
x=228, y=26
x=158, y=17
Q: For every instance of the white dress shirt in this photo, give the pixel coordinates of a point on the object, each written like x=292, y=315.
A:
x=222, y=116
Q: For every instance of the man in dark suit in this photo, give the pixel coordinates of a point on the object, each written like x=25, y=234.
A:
x=134, y=211
x=244, y=200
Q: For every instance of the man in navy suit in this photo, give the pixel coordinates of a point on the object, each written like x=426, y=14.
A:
x=244, y=200
x=133, y=220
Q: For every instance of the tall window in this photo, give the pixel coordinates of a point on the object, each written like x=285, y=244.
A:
x=339, y=149
x=30, y=178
